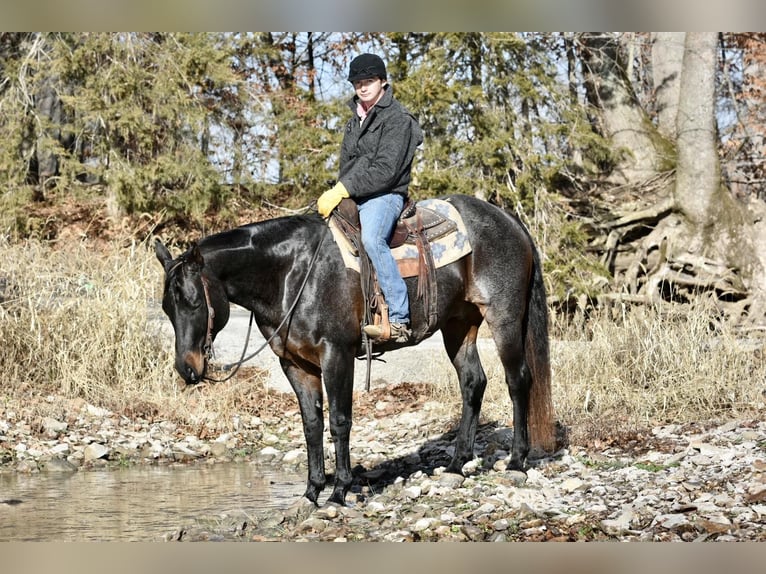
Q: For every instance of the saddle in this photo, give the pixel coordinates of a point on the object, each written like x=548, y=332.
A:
x=417, y=226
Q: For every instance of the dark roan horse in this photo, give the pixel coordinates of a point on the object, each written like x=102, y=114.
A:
x=290, y=273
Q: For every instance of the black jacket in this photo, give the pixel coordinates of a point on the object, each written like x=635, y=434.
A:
x=376, y=157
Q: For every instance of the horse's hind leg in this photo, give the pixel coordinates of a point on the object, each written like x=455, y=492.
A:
x=460, y=343
x=308, y=390
x=508, y=336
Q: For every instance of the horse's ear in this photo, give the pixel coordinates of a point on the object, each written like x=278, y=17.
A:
x=162, y=253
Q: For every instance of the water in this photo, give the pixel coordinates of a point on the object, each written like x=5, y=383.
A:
x=138, y=503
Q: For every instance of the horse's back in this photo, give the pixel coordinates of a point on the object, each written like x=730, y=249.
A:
x=496, y=237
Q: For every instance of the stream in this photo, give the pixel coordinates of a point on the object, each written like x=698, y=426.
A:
x=137, y=503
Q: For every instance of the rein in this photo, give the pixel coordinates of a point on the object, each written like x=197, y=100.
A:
x=207, y=349
x=242, y=360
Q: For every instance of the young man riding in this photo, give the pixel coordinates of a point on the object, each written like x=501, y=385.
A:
x=375, y=164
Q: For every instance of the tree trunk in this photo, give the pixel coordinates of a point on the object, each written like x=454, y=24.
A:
x=621, y=118
x=698, y=182
x=48, y=108
x=719, y=227
x=708, y=243
x=667, y=62
x=699, y=240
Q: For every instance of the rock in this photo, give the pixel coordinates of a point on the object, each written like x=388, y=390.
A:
x=422, y=524
x=60, y=449
x=57, y=465
x=671, y=521
x=268, y=452
x=574, y=484
x=331, y=512
x=412, y=492
x=756, y=493
x=516, y=478
x=95, y=451
x=717, y=524
x=218, y=448
x=618, y=526
x=95, y=411
x=312, y=524
x=26, y=466
x=270, y=439
x=451, y=480
x=182, y=453
x=295, y=456
x=53, y=427
x=706, y=486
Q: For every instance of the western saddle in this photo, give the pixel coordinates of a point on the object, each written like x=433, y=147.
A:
x=416, y=225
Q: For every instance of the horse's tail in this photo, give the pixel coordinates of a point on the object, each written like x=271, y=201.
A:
x=542, y=430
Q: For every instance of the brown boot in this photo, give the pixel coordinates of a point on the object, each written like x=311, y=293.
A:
x=400, y=333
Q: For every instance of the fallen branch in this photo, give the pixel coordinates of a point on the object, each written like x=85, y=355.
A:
x=653, y=214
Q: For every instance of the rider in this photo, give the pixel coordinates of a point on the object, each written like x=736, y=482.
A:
x=375, y=164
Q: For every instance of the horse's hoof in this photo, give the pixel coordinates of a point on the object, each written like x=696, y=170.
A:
x=312, y=493
x=337, y=497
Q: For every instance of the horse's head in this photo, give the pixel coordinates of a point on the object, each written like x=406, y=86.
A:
x=196, y=305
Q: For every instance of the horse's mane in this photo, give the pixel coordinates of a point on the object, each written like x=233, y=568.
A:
x=242, y=236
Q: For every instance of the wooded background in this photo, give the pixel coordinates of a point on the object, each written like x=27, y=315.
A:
x=636, y=159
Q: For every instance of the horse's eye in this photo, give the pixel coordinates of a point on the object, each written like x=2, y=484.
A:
x=193, y=302
x=189, y=296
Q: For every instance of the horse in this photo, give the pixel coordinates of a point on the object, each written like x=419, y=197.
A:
x=309, y=306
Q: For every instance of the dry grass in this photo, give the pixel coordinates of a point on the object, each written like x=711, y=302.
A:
x=648, y=366
x=76, y=323
x=83, y=325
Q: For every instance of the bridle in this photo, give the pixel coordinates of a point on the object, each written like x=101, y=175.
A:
x=207, y=348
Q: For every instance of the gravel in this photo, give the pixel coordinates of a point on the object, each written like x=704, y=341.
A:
x=674, y=483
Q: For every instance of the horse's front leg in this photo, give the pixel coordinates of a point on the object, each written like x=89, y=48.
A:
x=338, y=373
x=308, y=389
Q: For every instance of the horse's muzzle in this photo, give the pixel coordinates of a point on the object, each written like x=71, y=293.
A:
x=191, y=377
x=192, y=368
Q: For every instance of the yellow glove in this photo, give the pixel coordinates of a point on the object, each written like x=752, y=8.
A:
x=330, y=199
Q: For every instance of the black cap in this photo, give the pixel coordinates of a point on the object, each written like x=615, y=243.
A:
x=366, y=66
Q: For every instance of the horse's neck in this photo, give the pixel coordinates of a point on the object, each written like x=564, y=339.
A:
x=252, y=263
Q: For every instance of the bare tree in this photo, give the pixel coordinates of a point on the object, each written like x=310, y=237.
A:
x=694, y=237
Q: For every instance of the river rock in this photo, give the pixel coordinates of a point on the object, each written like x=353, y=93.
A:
x=57, y=465
x=53, y=427
x=708, y=483
x=95, y=451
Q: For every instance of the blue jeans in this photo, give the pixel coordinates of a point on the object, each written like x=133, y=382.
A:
x=378, y=216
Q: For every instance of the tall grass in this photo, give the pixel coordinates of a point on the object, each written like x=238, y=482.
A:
x=83, y=325
x=76, y=322
x=641, y=366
